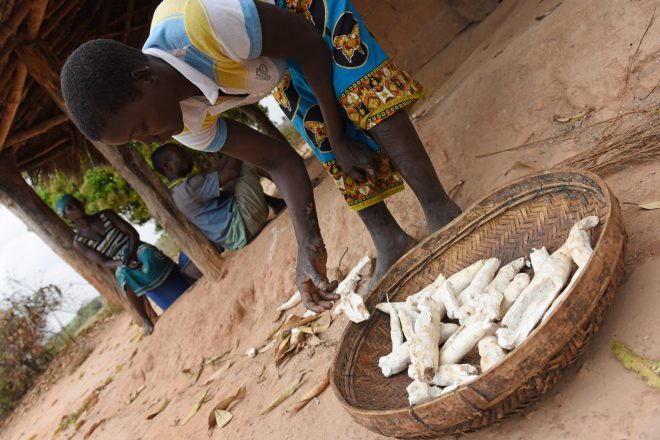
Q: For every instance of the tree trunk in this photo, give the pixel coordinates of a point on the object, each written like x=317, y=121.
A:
x=264, y=124
x=130, y=164
x=21, y=200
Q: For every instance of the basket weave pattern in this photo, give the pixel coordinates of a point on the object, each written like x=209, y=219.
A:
x=532, y=212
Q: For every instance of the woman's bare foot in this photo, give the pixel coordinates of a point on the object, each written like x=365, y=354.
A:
x=390, y=240
x=439, y=215
x=147, y=326
x=394, y=250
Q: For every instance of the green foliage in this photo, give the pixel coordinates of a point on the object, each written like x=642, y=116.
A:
x=100, y=188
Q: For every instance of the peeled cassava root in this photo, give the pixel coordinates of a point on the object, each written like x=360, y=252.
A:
x=497, y=308
x=350, y=303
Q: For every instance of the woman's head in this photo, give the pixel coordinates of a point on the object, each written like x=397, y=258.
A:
x=115, y=95
x=70, y=207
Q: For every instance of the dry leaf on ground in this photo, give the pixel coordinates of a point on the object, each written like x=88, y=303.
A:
x=288, y=392
x=291, y=338
x=547, y=12
x=80, y=424
x=575, y=118
x=222, y=417
x=93, y=428
x=224, y=405
x=650, y=206
x=198, y=404
x=134, y=395
x=452, y=192
x=267, y=346
x=159, y=410
x=318, y=326
x=200, y=369
x=518, y=165
x=225, y=355
x=312, y=393
x=215, y=376
x=648, y=369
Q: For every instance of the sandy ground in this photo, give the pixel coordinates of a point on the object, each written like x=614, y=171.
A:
x=504, y=95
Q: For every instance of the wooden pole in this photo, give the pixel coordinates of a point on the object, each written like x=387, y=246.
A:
x=9, y=28
x=36, y=130
x=36, y=18
x=43, y=67
x=13, y=101
x=130, y=164
x=21, y=200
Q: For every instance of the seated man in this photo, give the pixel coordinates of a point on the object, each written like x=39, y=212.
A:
x=227, y=203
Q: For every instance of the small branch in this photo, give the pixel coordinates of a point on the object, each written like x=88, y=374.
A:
x=634, y=56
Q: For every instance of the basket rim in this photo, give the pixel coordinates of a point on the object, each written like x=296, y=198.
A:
x=362, y=412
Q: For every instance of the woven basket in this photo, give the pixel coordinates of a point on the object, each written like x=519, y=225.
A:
x=535, y=211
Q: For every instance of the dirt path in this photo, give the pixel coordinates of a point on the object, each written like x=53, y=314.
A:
x=505, y=94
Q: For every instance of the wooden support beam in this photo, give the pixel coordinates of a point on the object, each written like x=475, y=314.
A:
x=43, y=67
x=36, y=130
x=130, y=164
x=37, y=14
x=9, y=28
x=13, y=101
x=43, y=156
x=7, y=74
x=54, y=21
x=21, y=200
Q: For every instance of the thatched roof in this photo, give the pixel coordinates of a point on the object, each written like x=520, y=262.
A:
x=33, y=126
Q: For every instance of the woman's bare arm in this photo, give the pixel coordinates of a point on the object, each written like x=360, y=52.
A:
x=128, y=229
x=95, y=256
x=288, y=171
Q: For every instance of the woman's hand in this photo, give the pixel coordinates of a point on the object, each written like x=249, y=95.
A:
x=315, y=289
x=356, y=159
x=133, y=264
x=131, y=261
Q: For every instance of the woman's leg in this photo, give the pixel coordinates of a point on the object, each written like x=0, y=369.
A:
x=390, y=240
x=151, y=313
x=398, y=137
x=137, y=304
